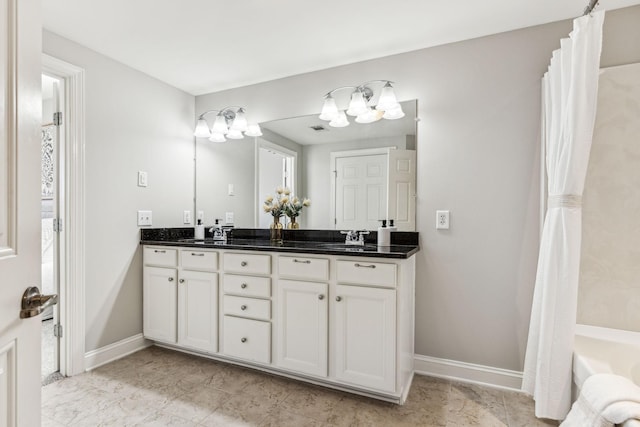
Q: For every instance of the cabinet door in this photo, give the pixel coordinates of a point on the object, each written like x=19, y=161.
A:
x=198, y=310
x=160, y=304
x=302, y=322
x=365, y=329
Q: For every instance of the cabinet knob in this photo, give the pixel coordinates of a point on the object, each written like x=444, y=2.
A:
x=338, y=299
x=170, y=279
x=243, y=339
x=243, y=286
x=243, y=307
x=320, y=297
x=181, y=280
x=243, y=263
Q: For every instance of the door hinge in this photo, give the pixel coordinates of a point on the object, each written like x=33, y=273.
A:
x=57, y=330
x=57, y=118
x=57, y=225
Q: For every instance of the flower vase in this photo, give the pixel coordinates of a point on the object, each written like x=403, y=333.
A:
x=275, y=231
x=293, y=225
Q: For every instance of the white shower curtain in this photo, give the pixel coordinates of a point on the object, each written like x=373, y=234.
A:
x=570, y=90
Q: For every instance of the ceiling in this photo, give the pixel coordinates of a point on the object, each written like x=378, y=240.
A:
x=203, y=46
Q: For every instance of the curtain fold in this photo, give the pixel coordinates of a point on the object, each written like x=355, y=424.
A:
x=569, y=96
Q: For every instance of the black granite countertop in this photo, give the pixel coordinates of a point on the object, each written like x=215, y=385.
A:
x=325, y=242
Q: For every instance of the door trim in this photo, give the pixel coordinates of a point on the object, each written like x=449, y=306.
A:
x=72, y=267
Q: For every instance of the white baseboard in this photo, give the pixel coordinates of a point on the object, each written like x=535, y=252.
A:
x=115, y=351
x=468, y=372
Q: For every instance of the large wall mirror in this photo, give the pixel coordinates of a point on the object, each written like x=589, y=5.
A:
x=354, y=175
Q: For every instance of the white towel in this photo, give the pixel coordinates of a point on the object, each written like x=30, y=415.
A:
x=605, y=400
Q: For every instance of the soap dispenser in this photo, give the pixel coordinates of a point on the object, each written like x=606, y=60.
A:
x=217, y=231
x=384, y=237
x=198, y=231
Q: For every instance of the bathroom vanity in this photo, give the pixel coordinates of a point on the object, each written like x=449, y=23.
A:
x=318, y=310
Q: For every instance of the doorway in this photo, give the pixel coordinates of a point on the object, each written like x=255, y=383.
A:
x=51, y=201
x=276, y=168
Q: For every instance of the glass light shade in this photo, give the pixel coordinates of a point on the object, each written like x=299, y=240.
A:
x=220, y=125
x=369, y=116
x=329, y=109
x=240, y=122
x=202, y=129
x=340, y=121
x=217, y=137
x=394, y=113
x=253, y=130
x=234, y=134
x=357, y=105
x=387, y=99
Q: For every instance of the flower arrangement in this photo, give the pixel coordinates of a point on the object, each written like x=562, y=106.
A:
x=284, y=203
x=293, y=208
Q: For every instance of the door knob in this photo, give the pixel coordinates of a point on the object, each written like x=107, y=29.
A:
x=34, y=303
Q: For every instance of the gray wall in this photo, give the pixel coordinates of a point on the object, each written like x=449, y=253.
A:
x=133, y=122
x=478, y=156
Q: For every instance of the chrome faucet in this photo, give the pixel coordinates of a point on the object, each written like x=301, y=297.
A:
x=354, y=237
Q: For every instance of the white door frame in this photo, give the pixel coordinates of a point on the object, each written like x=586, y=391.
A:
x=72, y=213
x=334, y=155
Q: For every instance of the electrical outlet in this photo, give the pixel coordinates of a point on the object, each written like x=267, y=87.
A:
x=142, y=179
x=186, y=217
x=144, y=218
x=228, y=218
x=442, y=220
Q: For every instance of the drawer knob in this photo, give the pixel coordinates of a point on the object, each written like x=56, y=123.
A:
x=364, y=265
x=321, y=297
x=170, y=279
x=159, y=251
x=338, y=299
x=181, y=280
x=243, y=263
x=243, y=339
x=307, y=261
x=243, y=307
x=195, y=254
x=243, y=286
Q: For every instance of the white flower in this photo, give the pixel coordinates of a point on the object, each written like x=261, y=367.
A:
x=269, y=199
x=279, y=190
x=266, y=208
x=306, y=202
x=284, y=200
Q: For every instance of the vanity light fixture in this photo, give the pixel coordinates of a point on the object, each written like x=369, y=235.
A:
x=387, y=106
x=230, y=123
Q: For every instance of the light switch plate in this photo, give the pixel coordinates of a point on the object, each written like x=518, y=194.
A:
x=230, y=190
x=186, y=217
x=200, y=215
x=142, y=179
x=144, y=218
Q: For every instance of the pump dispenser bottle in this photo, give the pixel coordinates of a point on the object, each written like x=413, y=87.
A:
x=198, y=231
x=384, y=236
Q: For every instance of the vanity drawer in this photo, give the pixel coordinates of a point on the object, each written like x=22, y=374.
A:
x=303, y=268
x=367, y=273
x=247, y=307
x=250, y=286
x=247, y=339
x=199, y=260
x=247, y=263
x=160, y=256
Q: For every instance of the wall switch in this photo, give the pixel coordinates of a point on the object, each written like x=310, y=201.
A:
x=200, y=215
x=228, y=218
x=442, y=220
x=186, y=217
x=144, y=218
x=230, y=190
x=142, y=179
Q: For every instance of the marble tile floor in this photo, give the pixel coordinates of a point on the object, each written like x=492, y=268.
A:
x=159, y=387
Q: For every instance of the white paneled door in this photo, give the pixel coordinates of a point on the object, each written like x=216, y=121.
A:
x=20, y=119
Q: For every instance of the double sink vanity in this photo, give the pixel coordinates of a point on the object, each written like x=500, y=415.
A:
x=312, y=308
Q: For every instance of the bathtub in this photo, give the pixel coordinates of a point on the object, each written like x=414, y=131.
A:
x=604, y=350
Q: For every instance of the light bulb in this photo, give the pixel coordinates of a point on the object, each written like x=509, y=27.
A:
x=220, y=125
x=340, y=121
x=234, y=134
x=329, y=109
x=387, y=99
x=369, y=116
x=217, y=137
x=357, y=105
x=202, y=129
x=253, y=130
x=240, y=122
x=394, y=113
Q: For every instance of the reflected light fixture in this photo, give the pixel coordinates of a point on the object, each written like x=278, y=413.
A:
x=363, y=105
x=230, y=122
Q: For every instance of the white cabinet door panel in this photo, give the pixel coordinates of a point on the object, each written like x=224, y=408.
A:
x=198, y=310
x=160, y=305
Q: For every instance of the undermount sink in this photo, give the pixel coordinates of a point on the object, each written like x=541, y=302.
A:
x=355, y=248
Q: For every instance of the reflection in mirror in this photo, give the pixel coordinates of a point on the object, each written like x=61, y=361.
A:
x=354, y=175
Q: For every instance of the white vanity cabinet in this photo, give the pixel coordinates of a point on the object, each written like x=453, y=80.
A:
x=180, y=305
